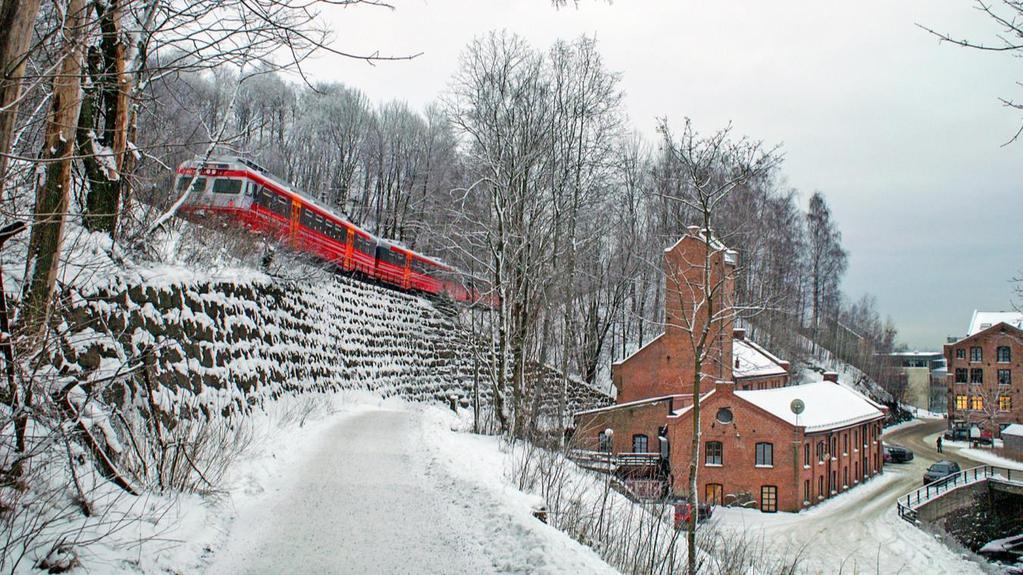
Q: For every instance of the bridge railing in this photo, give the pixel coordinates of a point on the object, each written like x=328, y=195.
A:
x=909, y=503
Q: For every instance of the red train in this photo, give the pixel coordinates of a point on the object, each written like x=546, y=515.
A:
x=248, y=194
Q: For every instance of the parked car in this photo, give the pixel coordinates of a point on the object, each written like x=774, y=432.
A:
x=963, y=434
x=940, y=470
x=682, y=512
x=957, y=434
x=897, y=454
x=1007, y=549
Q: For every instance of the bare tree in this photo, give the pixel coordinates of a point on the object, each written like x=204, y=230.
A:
x=709, y=169
x=1008, y=16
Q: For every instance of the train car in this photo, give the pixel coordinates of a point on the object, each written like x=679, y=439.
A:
x=250, y=195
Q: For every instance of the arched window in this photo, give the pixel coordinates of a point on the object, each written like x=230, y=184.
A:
x=1003, y=354
x=603, y=442
x=639, y=443
x=820, y=452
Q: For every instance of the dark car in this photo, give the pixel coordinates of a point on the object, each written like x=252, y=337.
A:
x=897, y=454
x=940, y=470
x=1008, y=549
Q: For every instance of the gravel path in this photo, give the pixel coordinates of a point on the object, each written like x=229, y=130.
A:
x=362, y=503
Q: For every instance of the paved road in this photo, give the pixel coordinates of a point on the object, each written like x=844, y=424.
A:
x=358, y=505
x=861, y=532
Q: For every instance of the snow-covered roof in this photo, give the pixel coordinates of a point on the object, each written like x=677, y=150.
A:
x=629, y=404
x=936, y=354
x=754, y=361
x=731, y=256
x=982, y=320
x=1016, y=430
x=827, y=404
x=633, y=354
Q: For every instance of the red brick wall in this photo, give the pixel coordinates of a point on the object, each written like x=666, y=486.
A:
x=739, y=472
x=752, y=383
x=645, y=419
x=666, y=364
x=988, y=340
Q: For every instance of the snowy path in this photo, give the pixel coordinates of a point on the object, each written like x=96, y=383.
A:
x=370, y=498
x=860, y=531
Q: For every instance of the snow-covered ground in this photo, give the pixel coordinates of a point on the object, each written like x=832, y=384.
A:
x=388, y=488
x=982, y=454
x=856, y=532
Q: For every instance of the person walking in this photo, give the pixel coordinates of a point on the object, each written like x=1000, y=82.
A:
x=939, y=444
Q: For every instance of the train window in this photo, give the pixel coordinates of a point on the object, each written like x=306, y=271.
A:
x=280, y=205
x=227, y=186
x=262, y=197
x=198, y=186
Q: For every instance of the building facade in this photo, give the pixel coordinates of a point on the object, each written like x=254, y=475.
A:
x=926, y=380
x=985, y=373
x=754, y=449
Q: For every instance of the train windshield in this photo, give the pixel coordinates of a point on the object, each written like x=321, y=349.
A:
x=226, y=186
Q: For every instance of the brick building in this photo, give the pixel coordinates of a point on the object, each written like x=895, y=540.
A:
x=754, y=449
x=984, y=373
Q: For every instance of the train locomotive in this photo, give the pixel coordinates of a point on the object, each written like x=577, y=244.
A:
x=249, y=195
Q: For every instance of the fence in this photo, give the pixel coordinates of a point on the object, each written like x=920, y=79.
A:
x=909, y=503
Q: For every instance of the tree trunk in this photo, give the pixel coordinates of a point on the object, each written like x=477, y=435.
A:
x=53, y=186
x=16, y=20
x=112, y=85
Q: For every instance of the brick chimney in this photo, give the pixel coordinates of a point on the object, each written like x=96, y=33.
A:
x=785, y=365
x=739, y=333
x=831, y=376
x=694, y=231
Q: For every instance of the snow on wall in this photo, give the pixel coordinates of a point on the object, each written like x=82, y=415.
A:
x=220, y=343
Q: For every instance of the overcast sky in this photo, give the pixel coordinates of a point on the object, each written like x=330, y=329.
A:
x=902, y=134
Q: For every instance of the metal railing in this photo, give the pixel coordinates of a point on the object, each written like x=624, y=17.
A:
x=604, y=461
x=909, y=503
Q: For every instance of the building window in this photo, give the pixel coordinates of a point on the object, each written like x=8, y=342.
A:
x=715, y=453
x=976, y=375
x=603, y=442
x=1004, y=377
x=724, y=415
x=765, y=454
x=976, y=354
x=769, y=499
x=806, y=454
x=713, y=493
x=639, y=443
x=820, y=452
x=961, y=353
x=977, y=402
x=834, y=446
x=1003, y=354
x=1004, y=403
x=961, y=401
x=806, y=490
x=856, y=438
x=961, y=374
x=820, y=486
